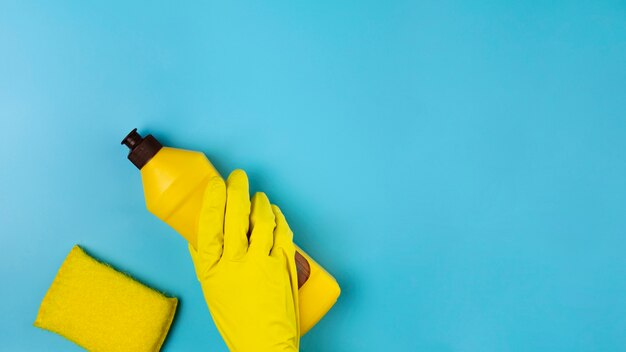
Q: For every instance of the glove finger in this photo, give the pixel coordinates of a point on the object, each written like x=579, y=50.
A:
x=285, y=249
x=237, y=215
x=211, y=223
x=262, y=223
x=283, y=237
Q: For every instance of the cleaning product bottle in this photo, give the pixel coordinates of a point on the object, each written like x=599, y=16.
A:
x=174, y=181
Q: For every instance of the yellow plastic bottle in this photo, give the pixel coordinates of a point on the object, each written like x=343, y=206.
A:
x=174, y=181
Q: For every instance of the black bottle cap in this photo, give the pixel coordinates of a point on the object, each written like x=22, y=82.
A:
x=142, y=149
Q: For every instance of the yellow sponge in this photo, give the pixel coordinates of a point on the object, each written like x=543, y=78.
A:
x=102, y=309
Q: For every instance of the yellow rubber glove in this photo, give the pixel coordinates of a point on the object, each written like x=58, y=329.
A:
x=250, y=286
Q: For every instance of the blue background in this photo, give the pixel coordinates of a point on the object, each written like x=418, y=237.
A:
x=458, y=167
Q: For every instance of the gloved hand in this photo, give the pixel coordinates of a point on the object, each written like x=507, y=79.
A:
x=250, y=286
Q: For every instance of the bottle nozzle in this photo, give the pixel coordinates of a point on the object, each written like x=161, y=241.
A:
x=132, y=139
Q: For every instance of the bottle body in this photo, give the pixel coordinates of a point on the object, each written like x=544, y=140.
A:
x=174, y=181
